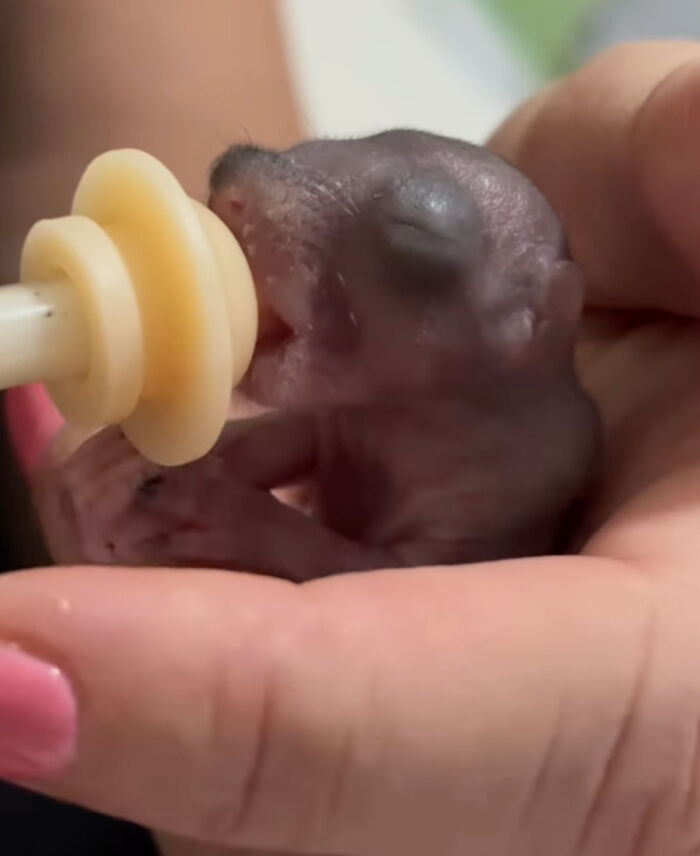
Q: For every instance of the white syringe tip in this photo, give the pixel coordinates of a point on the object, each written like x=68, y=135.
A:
x=42, y=334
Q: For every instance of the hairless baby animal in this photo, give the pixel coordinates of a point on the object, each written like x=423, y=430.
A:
x=418, y=317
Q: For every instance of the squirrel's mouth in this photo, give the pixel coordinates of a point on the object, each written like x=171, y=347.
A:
x=277, y=332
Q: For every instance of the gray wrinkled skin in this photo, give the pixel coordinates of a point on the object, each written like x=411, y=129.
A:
x=418, y=317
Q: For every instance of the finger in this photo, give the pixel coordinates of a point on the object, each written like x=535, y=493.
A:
x=431, y=711
x=614, y=148
x=665, y=148
x=32, y=422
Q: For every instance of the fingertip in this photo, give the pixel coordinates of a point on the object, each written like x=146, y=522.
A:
x=32, y=422
x=598, y=143
x=507, y=139
x=665, y=153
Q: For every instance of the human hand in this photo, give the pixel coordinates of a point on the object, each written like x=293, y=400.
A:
x=545, y=706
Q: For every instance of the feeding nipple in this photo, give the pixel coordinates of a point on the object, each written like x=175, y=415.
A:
x=136, y=309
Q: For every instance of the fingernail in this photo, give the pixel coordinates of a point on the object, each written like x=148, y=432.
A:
x=38, y=718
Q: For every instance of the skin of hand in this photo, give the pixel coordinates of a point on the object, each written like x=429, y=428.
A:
x=546, y=706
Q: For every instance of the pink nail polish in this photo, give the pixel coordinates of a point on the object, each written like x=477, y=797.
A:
x=38, y=717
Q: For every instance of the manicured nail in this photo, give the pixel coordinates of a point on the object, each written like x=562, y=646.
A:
x=38, y=718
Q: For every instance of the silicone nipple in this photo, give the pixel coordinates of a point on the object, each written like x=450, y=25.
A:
x=137, y=309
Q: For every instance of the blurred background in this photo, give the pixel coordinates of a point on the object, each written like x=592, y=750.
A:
x=453, y=66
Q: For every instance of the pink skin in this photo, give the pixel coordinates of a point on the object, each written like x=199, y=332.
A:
x=33, y=422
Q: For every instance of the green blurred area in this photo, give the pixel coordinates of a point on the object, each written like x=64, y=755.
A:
x=544, y=30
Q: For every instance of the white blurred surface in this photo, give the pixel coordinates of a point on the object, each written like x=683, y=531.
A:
x=366, y=65
x=635, y=20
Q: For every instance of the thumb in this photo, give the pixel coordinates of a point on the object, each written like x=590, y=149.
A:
x=613, y=147
x=427, y=711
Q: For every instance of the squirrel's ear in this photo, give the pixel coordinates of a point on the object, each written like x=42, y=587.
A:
x=548, y=308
